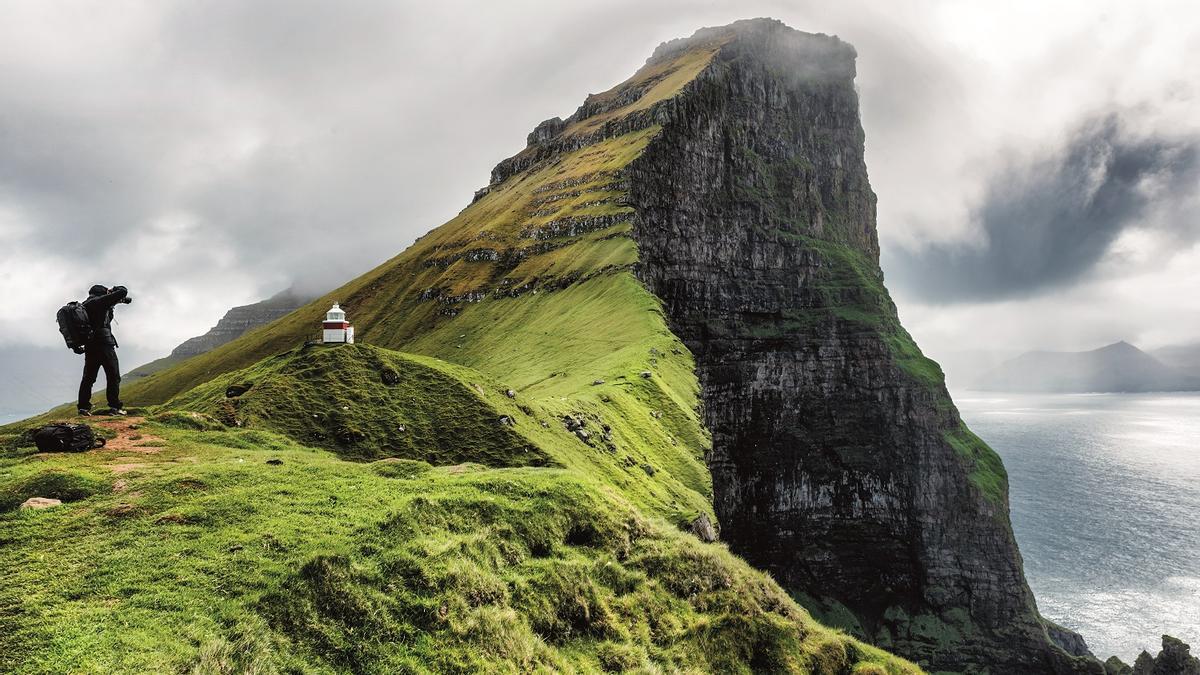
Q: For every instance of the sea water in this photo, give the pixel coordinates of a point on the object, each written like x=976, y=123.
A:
x=1105, y=498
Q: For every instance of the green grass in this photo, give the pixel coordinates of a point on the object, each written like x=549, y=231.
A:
x=365, y=402
x=203, y=559
x=987, y=472
x=390, y=305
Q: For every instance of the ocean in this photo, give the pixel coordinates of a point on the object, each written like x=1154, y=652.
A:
x=1105, y=498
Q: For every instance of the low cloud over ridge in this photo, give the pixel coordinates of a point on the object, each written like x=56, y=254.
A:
x=1047, y=221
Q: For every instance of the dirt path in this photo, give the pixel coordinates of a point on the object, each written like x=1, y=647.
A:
x=129, y=437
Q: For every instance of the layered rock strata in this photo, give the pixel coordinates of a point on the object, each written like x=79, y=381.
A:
x=839, y=461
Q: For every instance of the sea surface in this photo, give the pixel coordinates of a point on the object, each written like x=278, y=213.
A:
x=1105, y=499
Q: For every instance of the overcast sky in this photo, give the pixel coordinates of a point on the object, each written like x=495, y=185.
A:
x=1038, y=168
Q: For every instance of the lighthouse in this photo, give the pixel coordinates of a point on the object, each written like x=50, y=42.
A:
x=336, y=328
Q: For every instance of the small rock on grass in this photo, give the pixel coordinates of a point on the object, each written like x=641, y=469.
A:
x=703, y=528
x=40, y=503
x=274, y=461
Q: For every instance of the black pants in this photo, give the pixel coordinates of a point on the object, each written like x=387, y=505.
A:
x=95, y=358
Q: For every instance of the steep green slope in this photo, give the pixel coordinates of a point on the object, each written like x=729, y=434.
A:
x=189, y=547
x=365, y=402
x=556, y=225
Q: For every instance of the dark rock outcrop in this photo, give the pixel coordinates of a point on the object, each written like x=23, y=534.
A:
x=1174, y=659
x=1115, y=666
x=839, y=462
x=703, y=528
x=1067, y=639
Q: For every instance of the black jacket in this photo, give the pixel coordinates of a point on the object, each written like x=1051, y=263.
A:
x=100, y=312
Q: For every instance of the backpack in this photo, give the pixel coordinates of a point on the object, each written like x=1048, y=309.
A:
x=66, y=438
x=74, y=324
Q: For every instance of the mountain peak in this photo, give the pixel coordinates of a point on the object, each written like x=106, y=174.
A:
x=762, y=32
x=642, y=100
x=1113, y=368
x=689, y=264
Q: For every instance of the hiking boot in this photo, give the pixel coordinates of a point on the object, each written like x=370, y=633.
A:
x=118, y=412
x=85, y=412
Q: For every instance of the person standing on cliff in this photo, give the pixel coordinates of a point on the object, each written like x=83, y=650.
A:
x=101, y=348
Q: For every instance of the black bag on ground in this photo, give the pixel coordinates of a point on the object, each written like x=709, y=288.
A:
x=66, y=438
x=74, y=324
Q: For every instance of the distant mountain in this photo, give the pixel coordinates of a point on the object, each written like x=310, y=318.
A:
x=231, y=326
x=1119, y=367
x=1184, y=357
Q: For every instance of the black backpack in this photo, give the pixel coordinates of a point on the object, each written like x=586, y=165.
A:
x=75, y=325
x=66, y=438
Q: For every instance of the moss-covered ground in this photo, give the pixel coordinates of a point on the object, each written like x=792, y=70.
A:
x=365, y=402
x=186, y=546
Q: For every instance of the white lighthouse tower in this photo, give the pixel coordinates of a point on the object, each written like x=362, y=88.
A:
x=336, y=328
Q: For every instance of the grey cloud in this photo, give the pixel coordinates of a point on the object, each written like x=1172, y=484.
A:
x=364, y=126
x=1049, y=221
x=254, y=145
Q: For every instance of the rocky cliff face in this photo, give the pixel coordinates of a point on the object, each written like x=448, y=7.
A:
x=839, y=462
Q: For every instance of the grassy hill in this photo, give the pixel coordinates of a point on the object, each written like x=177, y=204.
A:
x=187, y=546
x=538, y=457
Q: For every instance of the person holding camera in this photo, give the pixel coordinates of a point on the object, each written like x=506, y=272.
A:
x=101, y=348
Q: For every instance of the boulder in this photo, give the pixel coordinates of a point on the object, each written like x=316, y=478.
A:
x=703, y=528
x=40, y=503
x=1174, y=659
x=1115, y=666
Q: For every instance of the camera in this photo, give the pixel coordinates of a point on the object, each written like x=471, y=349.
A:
x=124, y=301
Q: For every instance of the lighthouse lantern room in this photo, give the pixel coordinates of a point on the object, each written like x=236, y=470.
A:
x=336, y=328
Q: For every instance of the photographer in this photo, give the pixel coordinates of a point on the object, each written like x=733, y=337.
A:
x=101, y=349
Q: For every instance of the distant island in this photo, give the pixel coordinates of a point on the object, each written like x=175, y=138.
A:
x=1116, y=368
x=1185, y=357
